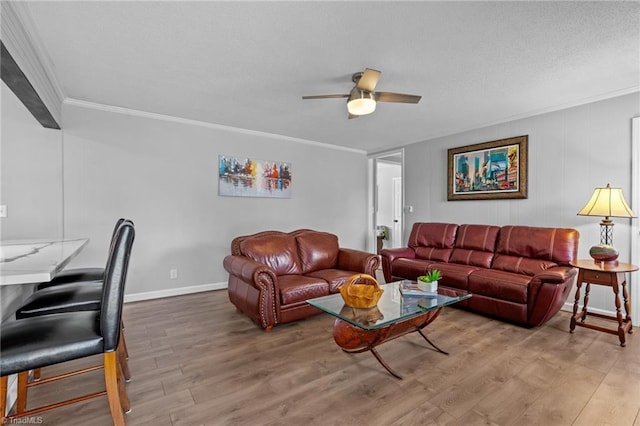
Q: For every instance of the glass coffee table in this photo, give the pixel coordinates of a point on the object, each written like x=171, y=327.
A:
x=359, y=330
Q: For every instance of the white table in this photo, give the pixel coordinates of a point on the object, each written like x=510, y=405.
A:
x=36, y=261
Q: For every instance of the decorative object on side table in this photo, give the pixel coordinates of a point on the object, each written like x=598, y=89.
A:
x=429, y=281
x=382, y=233
x=606, y=202
x=361, y=291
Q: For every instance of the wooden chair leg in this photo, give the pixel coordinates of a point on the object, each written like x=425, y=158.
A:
x=111, y=374
x=122, y=391
x=37, y=373
x=21, y=401
x=122, y=360
x=3, y=398
x=124, y=343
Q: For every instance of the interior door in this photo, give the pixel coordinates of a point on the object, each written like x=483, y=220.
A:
x=396, y=240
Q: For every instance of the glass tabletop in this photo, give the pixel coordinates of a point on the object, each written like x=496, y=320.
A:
x=391, y=308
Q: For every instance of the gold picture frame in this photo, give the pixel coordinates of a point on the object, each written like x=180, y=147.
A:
x=489, y=170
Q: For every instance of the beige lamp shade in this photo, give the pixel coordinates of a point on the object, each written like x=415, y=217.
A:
x=607, y=202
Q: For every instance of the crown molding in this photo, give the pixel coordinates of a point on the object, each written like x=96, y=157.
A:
x=20, y=38
x=190, y=122
x=528, y=114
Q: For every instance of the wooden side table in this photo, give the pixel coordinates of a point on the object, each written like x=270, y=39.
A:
x=610, y=275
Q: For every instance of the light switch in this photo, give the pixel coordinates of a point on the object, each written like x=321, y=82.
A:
x=3, y=210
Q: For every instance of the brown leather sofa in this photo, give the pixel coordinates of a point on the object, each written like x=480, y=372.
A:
x=516, y=273
x=273, y=273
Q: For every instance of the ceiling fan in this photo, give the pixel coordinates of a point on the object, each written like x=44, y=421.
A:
x=362, y=99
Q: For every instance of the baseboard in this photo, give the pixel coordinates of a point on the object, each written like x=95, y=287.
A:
x=137, y=297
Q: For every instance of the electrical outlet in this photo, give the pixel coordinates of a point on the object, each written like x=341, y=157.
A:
x=173, y=274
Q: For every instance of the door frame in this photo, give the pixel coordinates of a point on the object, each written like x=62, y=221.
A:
x=634, y=277
x=373, y=195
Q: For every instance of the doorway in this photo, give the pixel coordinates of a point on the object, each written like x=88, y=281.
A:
x=388, y=190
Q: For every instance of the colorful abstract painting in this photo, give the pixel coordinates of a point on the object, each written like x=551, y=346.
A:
x=248, y=177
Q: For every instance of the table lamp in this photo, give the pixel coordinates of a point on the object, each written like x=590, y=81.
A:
x=606, y=202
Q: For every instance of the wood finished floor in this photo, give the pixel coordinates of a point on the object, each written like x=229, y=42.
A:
x=196, y=361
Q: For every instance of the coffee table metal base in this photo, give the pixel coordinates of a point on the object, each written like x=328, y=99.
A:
x=353, y=339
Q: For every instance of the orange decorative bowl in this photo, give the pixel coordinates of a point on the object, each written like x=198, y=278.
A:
x=361, y=291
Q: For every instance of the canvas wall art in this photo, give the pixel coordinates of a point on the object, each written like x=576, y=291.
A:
x=248, y=177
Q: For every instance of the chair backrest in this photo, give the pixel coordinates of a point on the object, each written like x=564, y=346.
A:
x=115, y=228
x=114, y=284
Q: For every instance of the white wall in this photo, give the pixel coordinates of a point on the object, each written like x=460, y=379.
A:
x=162, y=173
x=31, y=183
x=570, y=153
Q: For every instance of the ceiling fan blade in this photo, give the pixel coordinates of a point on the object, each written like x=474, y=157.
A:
x=325, y=96
x=369, y=80
x=397, y=97
x=353, y=116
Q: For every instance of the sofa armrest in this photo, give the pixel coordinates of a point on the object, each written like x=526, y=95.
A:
x=249, y=270
x=548, y=291
x=391, y=254
x=556, y=275
x=253, y=289
x=358, y=261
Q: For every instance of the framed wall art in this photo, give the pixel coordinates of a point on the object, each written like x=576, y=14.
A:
x=488, y=170
x=247, y=177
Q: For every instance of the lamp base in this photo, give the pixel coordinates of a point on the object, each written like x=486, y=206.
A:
x=604, y=253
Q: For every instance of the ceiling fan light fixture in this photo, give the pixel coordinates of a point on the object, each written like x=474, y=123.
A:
x=361, y=102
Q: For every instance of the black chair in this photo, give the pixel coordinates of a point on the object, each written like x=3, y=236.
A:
x=70, y=291
x=32, y=343
x=72, y=297
x=75, y=275
x=63, y=294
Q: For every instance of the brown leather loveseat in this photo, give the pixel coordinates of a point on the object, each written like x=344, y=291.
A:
x=516, y=273
x=273, y=273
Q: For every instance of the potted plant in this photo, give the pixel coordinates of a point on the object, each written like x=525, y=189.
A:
x=429, y=281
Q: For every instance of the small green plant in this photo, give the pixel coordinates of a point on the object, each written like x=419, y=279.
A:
x=431, y=276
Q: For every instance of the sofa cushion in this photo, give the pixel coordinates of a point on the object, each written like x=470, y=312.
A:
x=335, y=277
x=558, y=245
x=500, y=285
x=453, y=274
x=474, y=245
x=278, y=251
x=317, y=250
x=298, y=288
x=433, y=241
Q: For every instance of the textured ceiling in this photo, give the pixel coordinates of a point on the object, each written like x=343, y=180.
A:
x=247, y=64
